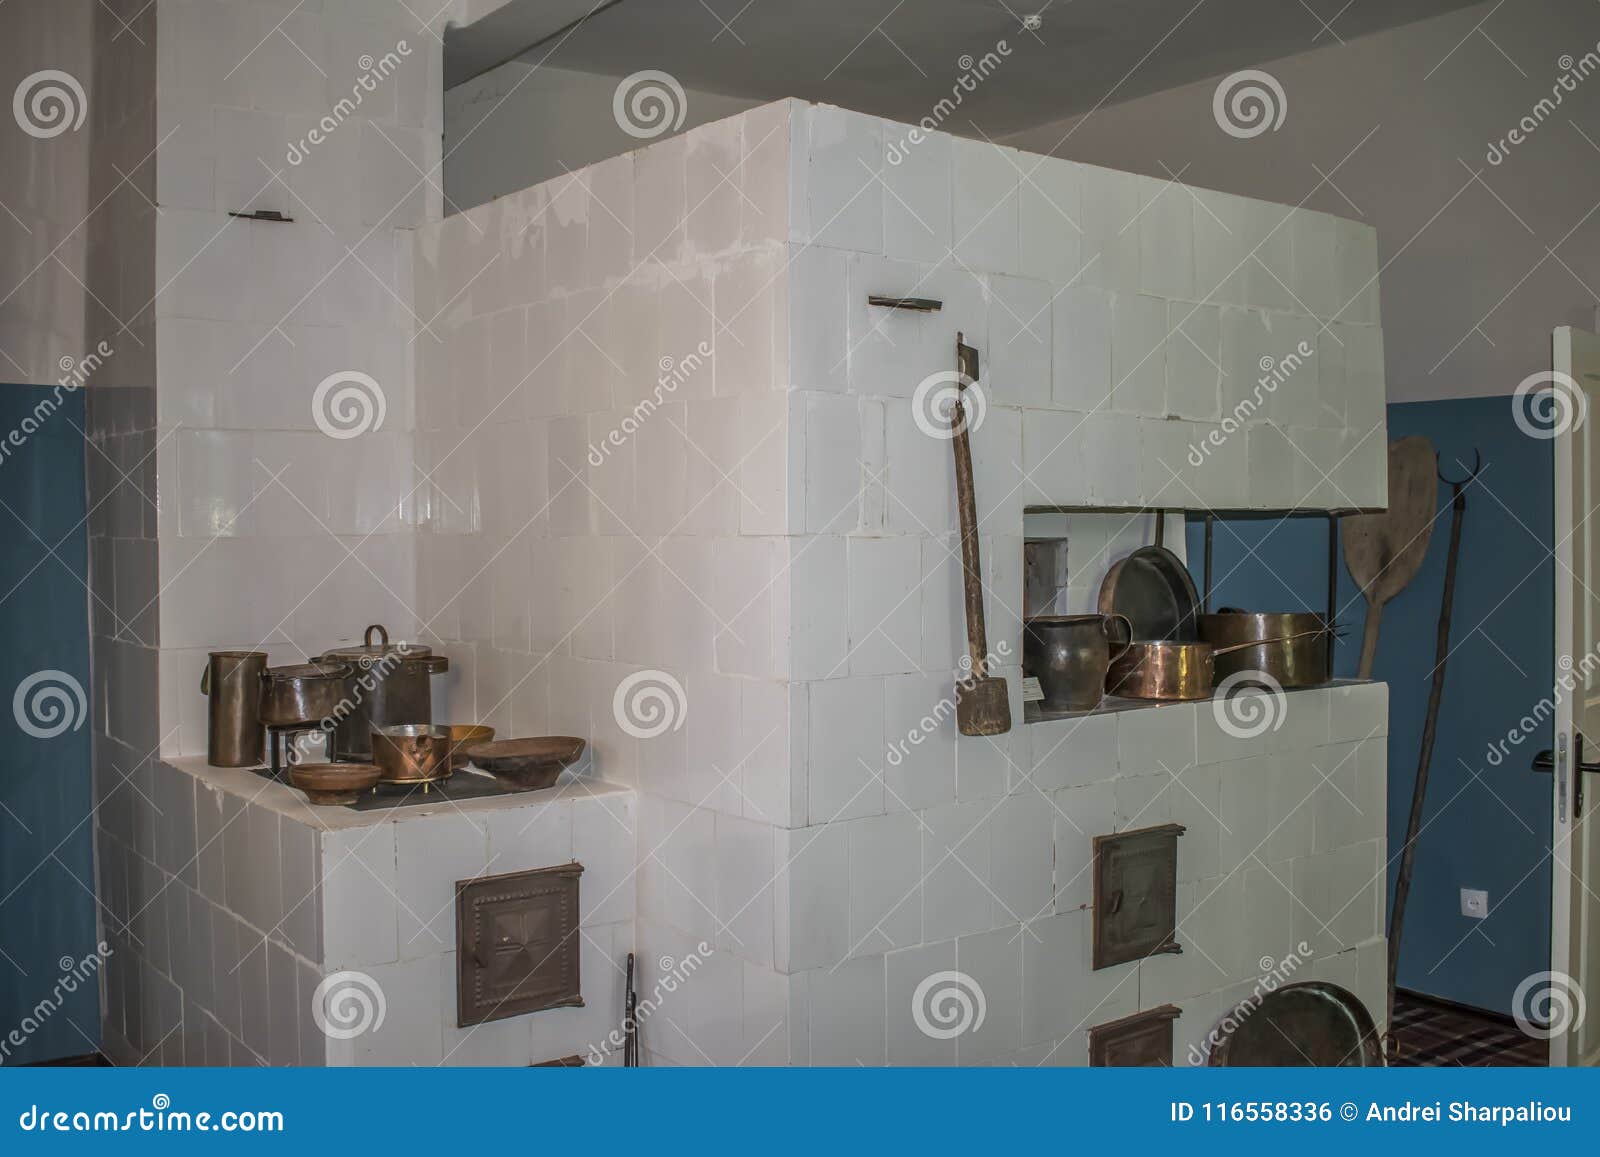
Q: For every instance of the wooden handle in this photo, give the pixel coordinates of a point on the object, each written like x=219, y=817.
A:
x=1369, y=639
x=971, y=559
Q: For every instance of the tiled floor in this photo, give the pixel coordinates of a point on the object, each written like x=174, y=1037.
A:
x=1431, y=1034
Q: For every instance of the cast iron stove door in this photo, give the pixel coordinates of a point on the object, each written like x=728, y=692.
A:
x=1142, y=1040
x=1135, y=894
x=517, y=943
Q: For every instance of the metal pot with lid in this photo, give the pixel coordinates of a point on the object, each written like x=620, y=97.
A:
x=387, y=686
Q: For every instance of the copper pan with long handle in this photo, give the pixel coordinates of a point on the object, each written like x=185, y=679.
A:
x=1168, y=670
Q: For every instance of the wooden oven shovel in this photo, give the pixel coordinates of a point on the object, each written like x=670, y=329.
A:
x=983, y=702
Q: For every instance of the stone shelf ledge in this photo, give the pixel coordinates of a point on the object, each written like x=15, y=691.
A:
x=1113, y=704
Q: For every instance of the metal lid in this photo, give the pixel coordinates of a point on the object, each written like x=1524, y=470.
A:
x=370, y=650
x=1311, y=1023
x=1152, y=589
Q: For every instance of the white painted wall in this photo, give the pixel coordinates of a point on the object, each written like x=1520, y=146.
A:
x=518, y=125
x=1401, y=123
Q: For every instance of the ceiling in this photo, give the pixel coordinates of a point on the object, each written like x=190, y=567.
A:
x=896, y=58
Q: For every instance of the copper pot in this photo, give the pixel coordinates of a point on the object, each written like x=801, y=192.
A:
x=305, y=693
x=1290, y=648
x=412, y=752
x=388, y=685
x=1167, y=670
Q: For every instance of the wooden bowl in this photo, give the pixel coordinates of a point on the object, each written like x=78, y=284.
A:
x=334, y=783
x=527, y=764
x=463, y=736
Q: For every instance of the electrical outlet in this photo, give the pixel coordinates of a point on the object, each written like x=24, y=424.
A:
x=1474, y=903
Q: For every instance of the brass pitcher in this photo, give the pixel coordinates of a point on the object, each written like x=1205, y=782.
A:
x=232, y=680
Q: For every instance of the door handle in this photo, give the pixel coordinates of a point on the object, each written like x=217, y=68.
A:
x=1546, y=761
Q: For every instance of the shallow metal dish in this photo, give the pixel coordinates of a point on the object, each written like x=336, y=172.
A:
x=527, y=764
x=1152, y=589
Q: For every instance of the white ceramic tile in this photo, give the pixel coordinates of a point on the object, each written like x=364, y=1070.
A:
x=603, y=842
x=956, y=857
x=845, y=196
x=1166, y=239
x=431, y=857
x=1079, y=815
x=1053, y=457
x=812, y=926
x=744, y=890
x=359, y=896
x=917, y=180
x=993, y=960
x=885, y=611
x=1050, y=211
x=819, y=618
x=1138, y=354
x=908, y=972
x=920, y=756
x=832, y=462
x=1071, y=752
x=1194, y=367
x=985, y=205
x=885, y=883
x=1021, y=830
x=846, y=749
x=1019, y=367
x=819, y=307
x=1081, y=367
x=847, y=1013
x=1110, y=243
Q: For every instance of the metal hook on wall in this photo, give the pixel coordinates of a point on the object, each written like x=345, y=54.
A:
x=1477, y=468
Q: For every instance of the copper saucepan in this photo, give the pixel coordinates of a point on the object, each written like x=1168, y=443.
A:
x=1164, y=669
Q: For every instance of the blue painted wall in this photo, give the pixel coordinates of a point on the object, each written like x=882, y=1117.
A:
x=45, y=793
x=1484, y=826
